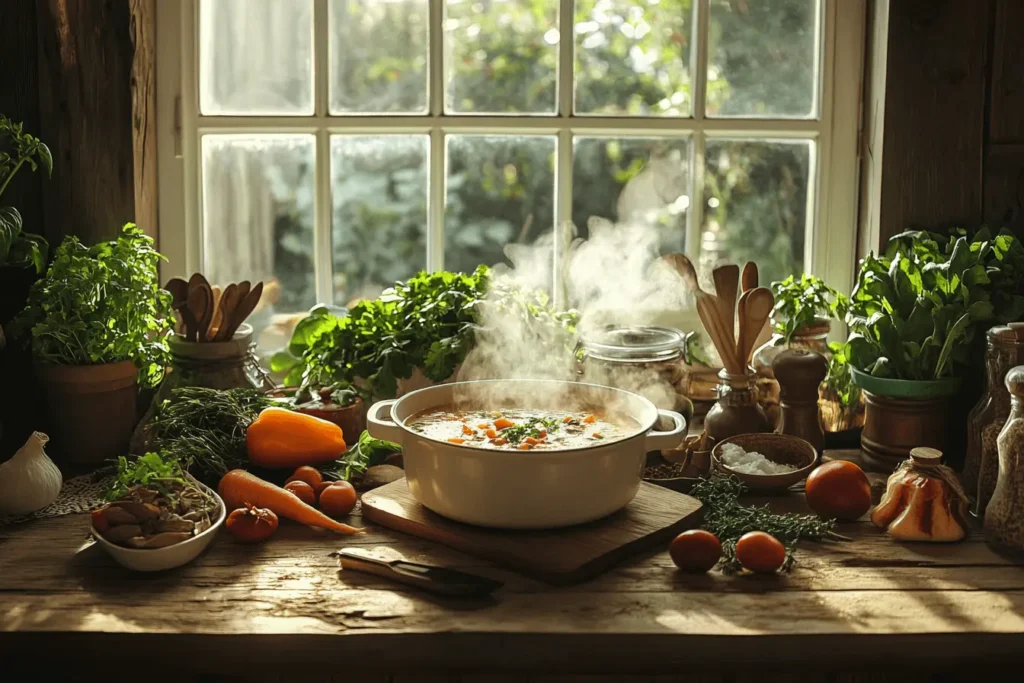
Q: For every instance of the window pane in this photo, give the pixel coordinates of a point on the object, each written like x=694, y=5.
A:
x=379, y=228
x=501, y=56
x=633, y=180
x=633, y=58
x=756, y=205
x=378, y=56
x=762, y=58
x=500, y=191
x=256, y=57
x=258, y=215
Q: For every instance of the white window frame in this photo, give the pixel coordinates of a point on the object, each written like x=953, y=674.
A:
x=831, y=238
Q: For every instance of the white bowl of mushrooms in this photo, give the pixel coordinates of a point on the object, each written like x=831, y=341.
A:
x=146, y=532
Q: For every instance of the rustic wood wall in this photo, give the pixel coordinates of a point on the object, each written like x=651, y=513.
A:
x=80, y=74
x=944, y=117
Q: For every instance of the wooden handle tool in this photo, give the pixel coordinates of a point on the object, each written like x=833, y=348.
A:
x=750, y=277
x=741, y=336
x=710, y=314
x=727, y=280
x=758, y=307
x=244, y=308
x=228, y=302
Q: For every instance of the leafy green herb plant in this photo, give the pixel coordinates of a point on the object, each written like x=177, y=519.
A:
x=366, y=453
x=18, y=149
x=800, y=303
x=150, y=470
x=916, y=308
x=101, y=304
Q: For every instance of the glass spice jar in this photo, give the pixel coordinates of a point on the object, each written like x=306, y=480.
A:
x=644, y=359
x=987, y=417
x=737, y=410
x=812, y=337
x=1004, y=515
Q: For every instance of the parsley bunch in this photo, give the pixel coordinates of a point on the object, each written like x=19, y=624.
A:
x=101, y=304
x=150, y=471
x=533, y=427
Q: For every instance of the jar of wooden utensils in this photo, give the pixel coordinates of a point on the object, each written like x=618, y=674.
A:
x=1004, y=350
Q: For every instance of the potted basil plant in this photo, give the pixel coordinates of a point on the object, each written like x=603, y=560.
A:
x=98, y=323
x=913, y=315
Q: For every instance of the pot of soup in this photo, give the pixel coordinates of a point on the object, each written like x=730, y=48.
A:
x=524, y=454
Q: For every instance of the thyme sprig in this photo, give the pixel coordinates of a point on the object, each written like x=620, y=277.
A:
x=728, y=519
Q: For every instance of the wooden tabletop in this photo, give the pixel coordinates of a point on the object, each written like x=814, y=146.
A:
x=851, y=603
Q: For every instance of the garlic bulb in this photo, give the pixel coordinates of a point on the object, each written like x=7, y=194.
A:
x=923, y=501
x=29, y=481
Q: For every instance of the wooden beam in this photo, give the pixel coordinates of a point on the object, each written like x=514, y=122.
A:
x=1006, y=111
x=934, y=120
x=143, y=93
x=85, y=53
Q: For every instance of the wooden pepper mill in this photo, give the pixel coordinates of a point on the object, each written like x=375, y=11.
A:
x=799, y=372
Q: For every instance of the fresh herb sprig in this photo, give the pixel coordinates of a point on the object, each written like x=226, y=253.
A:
x=101, y=304
x=531, y=428
x=799, y=303
x=17, y=150
x=366, y=453
x=151, y=471
x=728, y=519
x=204, y=429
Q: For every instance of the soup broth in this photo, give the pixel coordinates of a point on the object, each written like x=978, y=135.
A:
x=519, y=429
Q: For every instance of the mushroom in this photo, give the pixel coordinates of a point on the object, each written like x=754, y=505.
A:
x=141, y=511
x=120, y=534
x=175, y=523
x=118, y=515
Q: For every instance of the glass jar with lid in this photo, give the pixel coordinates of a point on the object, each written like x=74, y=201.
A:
x=647, y=360
x=1004, y=346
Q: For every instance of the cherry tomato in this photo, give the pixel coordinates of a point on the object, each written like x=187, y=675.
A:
x=760, y=552
x=307, y=474
x=338, y=499
x=251, y=524
x=303, y=490
x=695, y=550
x=99, y=520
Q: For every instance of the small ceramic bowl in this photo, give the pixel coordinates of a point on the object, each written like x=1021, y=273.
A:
x=159, y=559
x=779, y=448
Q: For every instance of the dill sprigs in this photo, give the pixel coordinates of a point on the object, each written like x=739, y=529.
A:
x=728, y=519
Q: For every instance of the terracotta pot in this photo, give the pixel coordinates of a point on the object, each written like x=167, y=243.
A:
x=91, y=409
x=893, y=426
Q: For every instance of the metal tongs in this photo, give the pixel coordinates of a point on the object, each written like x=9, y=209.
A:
x=439, y=580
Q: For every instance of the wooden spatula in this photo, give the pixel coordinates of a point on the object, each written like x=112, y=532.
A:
x=758, y=307
x=742, y=332
x=244, y=308
x=750, y=277
x=727, y=280
x=200, y=305
x=710, y=314
x=228, y=301
x=684, y=267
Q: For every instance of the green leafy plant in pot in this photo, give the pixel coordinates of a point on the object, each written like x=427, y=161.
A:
x=912, y=316
x=98, y=323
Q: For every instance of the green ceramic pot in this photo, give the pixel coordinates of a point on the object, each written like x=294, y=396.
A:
x=905, y=388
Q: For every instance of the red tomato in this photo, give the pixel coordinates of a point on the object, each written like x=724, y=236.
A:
x=251, y=524
x=303, y=490
x=307, y=474
x=840, y=490
x=695, y=550
x=760, y=552
x=338, y=499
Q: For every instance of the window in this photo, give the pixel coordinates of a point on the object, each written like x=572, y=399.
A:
x=338, y=145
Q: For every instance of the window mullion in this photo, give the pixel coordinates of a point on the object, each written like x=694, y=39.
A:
x=563, y=148
x=699, y=60
x=323, y=259
x=436, y=175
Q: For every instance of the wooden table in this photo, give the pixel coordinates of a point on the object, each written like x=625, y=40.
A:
x=868, y=603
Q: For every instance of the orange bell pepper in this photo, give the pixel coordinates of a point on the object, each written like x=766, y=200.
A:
x=280, y=438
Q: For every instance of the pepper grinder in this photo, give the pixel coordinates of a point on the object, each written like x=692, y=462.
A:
x=799, y=372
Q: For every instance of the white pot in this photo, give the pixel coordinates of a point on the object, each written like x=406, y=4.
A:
x=524, y=489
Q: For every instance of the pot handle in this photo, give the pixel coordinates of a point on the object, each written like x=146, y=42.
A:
x=383, y=427
x=658, y=441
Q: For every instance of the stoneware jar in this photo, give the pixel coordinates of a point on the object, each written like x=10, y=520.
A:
x=737, y=410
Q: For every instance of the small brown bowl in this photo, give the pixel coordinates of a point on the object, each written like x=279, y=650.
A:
x=779, y=448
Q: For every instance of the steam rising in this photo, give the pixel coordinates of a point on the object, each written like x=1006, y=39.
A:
x=614, y=277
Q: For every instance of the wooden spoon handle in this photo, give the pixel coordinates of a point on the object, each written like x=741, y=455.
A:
x=749, y=278
x=244, y=308
x=710, y=314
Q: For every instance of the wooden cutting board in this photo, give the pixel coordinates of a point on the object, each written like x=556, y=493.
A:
x=557, y=556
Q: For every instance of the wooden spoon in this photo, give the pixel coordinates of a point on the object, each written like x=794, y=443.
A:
x=244, y=308
x=179, y=299
x=200, y=304
x=758, y=307
x=727, y=280
x=684, y=267
x=228, y=302
x=710, y=314
x=217, y=318
x=741, y=316
x=749, y=278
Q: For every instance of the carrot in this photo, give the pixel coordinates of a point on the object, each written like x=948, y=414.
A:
x=590, y=419
x=503, y=423
x=491, y=434
x=239, y=488
x=467, y=430
x=456, y=440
